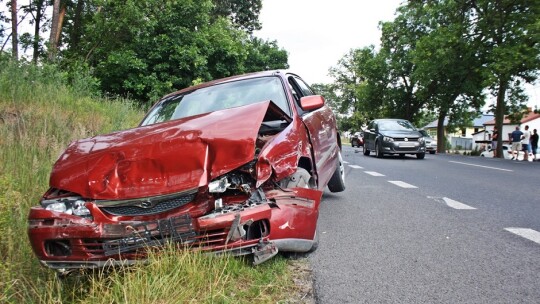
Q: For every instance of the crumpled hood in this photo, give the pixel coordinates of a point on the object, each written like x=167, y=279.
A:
x=162, y=158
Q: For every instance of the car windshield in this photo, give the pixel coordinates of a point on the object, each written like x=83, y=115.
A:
x=396, y=125
x=218, y=97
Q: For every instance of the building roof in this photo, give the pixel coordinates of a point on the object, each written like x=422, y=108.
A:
x=526, y=118
x=477, y=122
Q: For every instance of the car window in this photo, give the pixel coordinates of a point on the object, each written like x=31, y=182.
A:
x=395, y=125
x=219, y=97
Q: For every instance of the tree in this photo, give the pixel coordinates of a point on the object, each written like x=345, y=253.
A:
x=448, y=70
x=14, y=34
x=144, y=49
x=244, y=14
x=509, y=32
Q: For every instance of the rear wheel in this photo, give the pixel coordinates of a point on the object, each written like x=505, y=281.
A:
x=337, y=182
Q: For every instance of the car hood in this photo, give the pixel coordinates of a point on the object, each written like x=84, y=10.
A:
x=401, y=133
x=162, y=158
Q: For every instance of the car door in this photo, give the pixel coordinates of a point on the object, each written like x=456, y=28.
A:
x=320, y=124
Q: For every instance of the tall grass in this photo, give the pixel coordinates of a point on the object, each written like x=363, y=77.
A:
x=40, y=114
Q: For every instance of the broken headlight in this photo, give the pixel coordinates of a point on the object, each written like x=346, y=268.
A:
x=233, y=181
x=69, y=205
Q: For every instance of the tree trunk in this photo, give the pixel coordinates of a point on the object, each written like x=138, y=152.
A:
x=53, y=43
x=77, y=25
x=37, y=25
x=499, y=114
x=441, y=134
x=14, y=34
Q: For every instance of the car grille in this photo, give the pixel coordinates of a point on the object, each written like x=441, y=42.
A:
x=408, y=139
x=159, y=207
x=155, y=233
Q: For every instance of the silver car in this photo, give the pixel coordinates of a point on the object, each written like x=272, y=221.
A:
x=431, y=143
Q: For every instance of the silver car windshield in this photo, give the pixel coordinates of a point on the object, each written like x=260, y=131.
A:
x=219, y=97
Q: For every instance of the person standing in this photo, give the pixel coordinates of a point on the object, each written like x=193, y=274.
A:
x=526, y=143
x=494, y=138
x=534, y=144
x=516, y=138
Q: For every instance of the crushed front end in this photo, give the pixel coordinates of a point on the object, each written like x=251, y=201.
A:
x=222, y=195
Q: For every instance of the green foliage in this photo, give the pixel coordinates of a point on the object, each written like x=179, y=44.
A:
x=244, y=14
x=145, y=49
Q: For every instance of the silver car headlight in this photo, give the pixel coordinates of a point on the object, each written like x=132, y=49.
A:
x=388, y=139
x=421, y=140
x=68, y=205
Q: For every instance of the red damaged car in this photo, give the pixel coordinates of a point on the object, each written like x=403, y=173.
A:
x=234, y=165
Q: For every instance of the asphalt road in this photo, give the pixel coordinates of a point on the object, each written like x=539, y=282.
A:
x=446, y=229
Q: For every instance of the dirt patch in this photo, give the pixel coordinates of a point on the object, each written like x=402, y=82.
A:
x=302, y=276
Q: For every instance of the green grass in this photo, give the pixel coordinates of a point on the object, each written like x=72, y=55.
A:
x=39, y=116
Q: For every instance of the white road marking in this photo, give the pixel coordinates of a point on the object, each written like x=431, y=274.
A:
x=474, y=165
x=356, y=167
x=373, y=173
x=402, y=184
x=529, y=234
x=457, y=205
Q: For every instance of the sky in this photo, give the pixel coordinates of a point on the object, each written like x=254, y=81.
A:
x=317, y=34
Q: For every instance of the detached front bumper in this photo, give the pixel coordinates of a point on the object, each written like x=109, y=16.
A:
x=284, y=220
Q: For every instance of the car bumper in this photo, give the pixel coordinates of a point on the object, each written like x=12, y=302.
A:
x=285, y=221
x=403, y=147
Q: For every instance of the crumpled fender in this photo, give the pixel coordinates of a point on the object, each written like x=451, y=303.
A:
x=282, y=153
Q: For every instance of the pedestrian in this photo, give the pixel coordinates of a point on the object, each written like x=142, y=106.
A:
x=534, y=144
x=494, y=137
x=516, y=138
x=526, y=143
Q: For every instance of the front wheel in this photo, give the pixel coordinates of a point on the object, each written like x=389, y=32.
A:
x=379, y=150
x=337, y=181
x=366, y=150
x=420, y=155
x=431, y=152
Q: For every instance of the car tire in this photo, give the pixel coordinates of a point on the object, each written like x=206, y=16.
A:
x=378, y=150
x=431, y=152
x=366, y=151
x=420, y=155
x=337, y=181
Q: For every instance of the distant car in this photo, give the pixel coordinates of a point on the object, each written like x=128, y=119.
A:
x=357, y=139
x=506, y=150
x=235, y=165
x=393, y=136
x=431, y=143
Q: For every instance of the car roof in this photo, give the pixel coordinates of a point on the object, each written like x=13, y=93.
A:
x=280, y=73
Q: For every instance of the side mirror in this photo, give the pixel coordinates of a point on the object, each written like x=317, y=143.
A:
x=312, y=102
